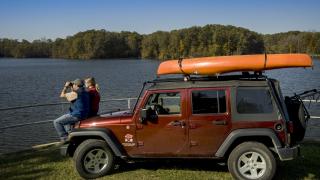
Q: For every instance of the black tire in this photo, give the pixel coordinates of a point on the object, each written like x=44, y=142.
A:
x=252, y=160
x=93, y=158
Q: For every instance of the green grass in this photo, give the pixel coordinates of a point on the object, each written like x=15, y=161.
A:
x=47, y=164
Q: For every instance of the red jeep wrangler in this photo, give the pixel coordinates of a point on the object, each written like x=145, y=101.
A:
x=241, y=119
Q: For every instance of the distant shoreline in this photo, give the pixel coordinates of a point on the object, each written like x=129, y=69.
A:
x=195, y=41
x=315, y=57
x=51, y=58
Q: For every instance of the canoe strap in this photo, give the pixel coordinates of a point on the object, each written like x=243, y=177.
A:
x=265, y=60
x=180, y=65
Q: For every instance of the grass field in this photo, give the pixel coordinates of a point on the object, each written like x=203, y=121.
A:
x=46, y=163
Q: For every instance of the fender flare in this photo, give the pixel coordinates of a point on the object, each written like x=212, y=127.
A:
x=105, y=134
x=234, y=135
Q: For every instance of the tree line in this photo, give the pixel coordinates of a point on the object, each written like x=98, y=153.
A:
x=209, y=40
x=293, y=42
x=92, y=44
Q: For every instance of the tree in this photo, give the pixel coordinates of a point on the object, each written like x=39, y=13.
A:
x=209, y=40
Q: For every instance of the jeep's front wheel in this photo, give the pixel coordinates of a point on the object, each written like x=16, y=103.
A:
x=93, y=159
x=252, y=160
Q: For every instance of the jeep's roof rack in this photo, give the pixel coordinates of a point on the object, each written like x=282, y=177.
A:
x=243, y=76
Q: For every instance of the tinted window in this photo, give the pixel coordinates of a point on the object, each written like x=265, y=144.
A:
x=164, y=103
x=253, y=101
x=208, y=101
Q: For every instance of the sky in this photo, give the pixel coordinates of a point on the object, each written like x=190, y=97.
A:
x=36, y=19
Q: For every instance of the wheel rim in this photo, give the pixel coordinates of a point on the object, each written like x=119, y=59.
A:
x=251, y=165
x=95, y=161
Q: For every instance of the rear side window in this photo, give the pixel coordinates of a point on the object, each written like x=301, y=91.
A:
x=208, y=101
x=253, y=101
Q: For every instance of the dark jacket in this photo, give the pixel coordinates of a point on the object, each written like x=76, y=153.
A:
x=80, y=107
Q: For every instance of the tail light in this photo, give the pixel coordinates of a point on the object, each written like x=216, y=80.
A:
x=290, y=127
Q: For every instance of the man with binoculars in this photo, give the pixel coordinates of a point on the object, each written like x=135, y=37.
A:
x=79, y=109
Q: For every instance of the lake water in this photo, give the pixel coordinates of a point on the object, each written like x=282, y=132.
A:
x=39, y=81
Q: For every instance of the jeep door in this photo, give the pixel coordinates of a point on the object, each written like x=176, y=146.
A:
x=163, y=133
x=209, y=119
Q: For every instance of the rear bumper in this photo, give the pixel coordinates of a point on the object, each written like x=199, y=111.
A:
x=288, y=153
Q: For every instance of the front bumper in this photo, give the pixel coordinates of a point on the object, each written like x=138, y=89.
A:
x=288, y=153
x=64, y=150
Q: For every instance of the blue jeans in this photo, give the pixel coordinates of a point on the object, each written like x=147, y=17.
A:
x=61, y=123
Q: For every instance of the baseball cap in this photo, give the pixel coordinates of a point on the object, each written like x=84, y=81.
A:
x=78, y=82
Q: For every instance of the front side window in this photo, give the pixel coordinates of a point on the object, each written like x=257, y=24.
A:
x=208, y=101
x=253, y=101
x=164, y=103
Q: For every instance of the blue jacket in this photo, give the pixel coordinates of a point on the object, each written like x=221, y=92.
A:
x=80, y=107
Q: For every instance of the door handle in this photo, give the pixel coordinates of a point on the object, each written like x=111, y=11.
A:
x=220, y=122
x=178, y=123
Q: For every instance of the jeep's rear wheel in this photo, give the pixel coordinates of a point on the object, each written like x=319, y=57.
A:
x=252, y=160
x=93, y=159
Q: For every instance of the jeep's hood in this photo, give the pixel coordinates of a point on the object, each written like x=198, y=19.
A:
x=106, y=119
x=117, y=113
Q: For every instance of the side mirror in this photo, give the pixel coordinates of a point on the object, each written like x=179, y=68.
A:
x=143, y=116
x=148, y=115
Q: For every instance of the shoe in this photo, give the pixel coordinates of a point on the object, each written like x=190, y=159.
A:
x=64, y=140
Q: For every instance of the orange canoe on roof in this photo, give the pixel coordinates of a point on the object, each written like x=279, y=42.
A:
x=225, y=64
